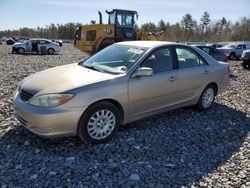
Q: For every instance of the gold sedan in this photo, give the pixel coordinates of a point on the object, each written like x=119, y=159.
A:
x=122, y=83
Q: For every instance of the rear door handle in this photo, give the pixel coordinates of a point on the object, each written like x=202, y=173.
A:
x=172, y=78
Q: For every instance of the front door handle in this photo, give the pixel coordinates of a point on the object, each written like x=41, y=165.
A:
x=172, y=78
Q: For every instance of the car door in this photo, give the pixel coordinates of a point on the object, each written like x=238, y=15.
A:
x=42, y=44
x=29, y=46
x=239, y=50
x=193, y=74
x=150, y=93
x=39, y=45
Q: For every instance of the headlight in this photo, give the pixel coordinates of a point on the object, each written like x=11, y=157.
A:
x=50, y=100
x=17, y=91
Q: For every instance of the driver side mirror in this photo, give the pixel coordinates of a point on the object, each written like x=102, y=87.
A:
x=143, y=71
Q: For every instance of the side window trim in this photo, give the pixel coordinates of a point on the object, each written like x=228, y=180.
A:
x=185, y=47
x=171, y=47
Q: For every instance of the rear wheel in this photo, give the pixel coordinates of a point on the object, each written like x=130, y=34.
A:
x=104, y=45
x=207, y=98
x=232, y=56
x=20, y=50
x=99, y=123
x=51, y=51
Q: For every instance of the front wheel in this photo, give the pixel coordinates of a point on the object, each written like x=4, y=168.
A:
x=51, y=51
x=99, y=123
x=20, y=50
x=244, y=66
x=104, y=45
x=207, y=98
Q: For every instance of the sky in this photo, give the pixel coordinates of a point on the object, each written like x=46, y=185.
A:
x=15, y=14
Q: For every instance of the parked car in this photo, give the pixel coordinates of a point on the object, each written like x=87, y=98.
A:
x=60, y=42
x=215, y=45
x=234, y=50
x=245, y=59
x=122, y=83
x=22, y=39
x=3, y=39
x=36, y=45
x=216, y=54
x=10, y=41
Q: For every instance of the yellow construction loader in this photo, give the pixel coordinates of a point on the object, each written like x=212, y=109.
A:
x=121, y=27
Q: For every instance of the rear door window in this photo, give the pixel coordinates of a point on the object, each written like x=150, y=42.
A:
x=187, y=58
x=239, y=46
x=207, y=50
x=43, y=42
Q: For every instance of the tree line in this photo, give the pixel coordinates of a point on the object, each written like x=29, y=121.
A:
x=188, y=29
x=52, y=31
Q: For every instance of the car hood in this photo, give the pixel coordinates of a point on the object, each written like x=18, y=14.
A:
x=17, y=43
x=63, y=78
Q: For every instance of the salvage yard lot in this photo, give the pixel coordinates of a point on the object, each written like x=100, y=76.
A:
x=178, y=148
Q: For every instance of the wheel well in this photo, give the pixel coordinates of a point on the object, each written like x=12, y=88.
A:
x=105, y=43
x=215, y=86
x=232, y=53
x=114, y=102
x=50, y=48
x=21, y=48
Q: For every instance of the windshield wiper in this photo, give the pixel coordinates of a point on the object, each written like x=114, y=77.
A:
x=90, y=67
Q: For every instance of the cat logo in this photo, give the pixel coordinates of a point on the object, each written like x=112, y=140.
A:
x=107, y=30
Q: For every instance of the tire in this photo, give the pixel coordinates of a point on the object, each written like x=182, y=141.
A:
x=20, y=51
x=104, y=45
x=51, y=51
x=244, y=66
x=232, y=56
x=97, y=130
x=207, y=98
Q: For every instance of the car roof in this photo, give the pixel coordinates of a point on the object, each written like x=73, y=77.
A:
x=39, y=39
x=203, y=46
x=153, y=44
x=146, y=44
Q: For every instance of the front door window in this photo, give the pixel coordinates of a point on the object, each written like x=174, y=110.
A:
x=160, y=60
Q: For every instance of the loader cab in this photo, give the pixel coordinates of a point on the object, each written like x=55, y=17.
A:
x=124, y=23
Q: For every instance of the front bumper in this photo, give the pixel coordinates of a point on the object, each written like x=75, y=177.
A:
x=14, y=49
x=48, y=122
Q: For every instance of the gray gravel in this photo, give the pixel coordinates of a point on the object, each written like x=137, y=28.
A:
x=178, y=148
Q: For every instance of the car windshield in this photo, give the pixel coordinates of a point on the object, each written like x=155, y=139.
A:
x=115, y=59
x=22, y=40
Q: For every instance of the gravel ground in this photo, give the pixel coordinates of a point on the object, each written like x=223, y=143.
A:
x=181, y=148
